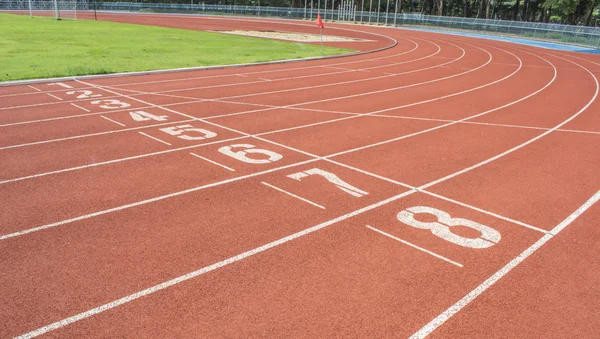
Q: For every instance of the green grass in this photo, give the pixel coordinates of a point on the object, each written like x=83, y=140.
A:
x=43, y=48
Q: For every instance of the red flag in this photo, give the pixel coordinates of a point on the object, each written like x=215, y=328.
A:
x=319, y=21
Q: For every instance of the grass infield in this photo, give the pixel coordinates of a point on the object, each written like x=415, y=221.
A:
x=44, y=48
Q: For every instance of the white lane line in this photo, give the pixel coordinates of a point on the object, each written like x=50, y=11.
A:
x=395, y=182
x=106, y=88
x=416, y=46
x=451, y=123
x=85, y=109
x=157, y=139
x=27, y=122
x=150, y=154
x=279, y=91
x=211, y=161
x=528, y=141
x=475, y=122
x=414, y=246
x=52, y=95
x=65, y=170
x=591, y=201
x=356, y=70
x=297, y=77
x=275, y=107
x=147, y=201
x=37, y=89
x=201, y=271
x=363, y=81
x=155, y=153
x=410, y=192
x=265, y=79
x=292, y=195
x=484, y=211
x=53, y=103
x=467, y=299
x=70, y=169
x=111, y=120
x=95, y=134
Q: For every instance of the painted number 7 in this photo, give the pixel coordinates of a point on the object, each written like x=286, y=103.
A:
x=332, y=178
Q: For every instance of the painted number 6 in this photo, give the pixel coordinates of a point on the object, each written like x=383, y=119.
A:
x=250, y=149
x=443, y=227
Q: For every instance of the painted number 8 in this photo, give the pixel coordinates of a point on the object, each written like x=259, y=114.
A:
x=443, y=227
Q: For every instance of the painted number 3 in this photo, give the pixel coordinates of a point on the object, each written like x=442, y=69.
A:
x=443, y=227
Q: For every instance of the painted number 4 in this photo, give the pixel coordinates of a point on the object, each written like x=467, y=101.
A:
x=443, y=227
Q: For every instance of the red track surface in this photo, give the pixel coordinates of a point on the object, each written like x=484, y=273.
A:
x=112, y=227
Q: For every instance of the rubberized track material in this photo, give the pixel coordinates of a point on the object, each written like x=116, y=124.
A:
x=442, y=186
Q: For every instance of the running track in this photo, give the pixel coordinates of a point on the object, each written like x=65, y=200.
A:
x=437, y=185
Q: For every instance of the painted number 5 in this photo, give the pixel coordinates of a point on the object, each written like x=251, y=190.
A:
x=443, y=227
x=200, y=134
x=242, y=155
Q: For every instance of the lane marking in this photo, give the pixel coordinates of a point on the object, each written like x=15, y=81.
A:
x=136, y=100
x=284, y=79
x=127, y=299
x=415, y=246
x=152, y=292
x=530, y=140
x=263, y=93
x=454, y=122
x=356, y=70
x=484, y=211
x=157, y=139
x=251, y=111
x=246, y=74
x=37, y=89
x=206, y=269
x=96, y=134
x=52, y=95
x=85, y=109
x=53, y=103
x=108, y=162
x=467, y=299
x=265, y=79
x=211, y=161
x=240, y=84
x=147, y=201
x=589, y=203
x=155, y=153
x=292, y=195
x=416, y=45
x=27, y=122
x=149, y=154
x=435, y=195
x=484, y=123
x=111, y=120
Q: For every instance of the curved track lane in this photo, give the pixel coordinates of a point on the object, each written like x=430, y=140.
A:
x=302, y=198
